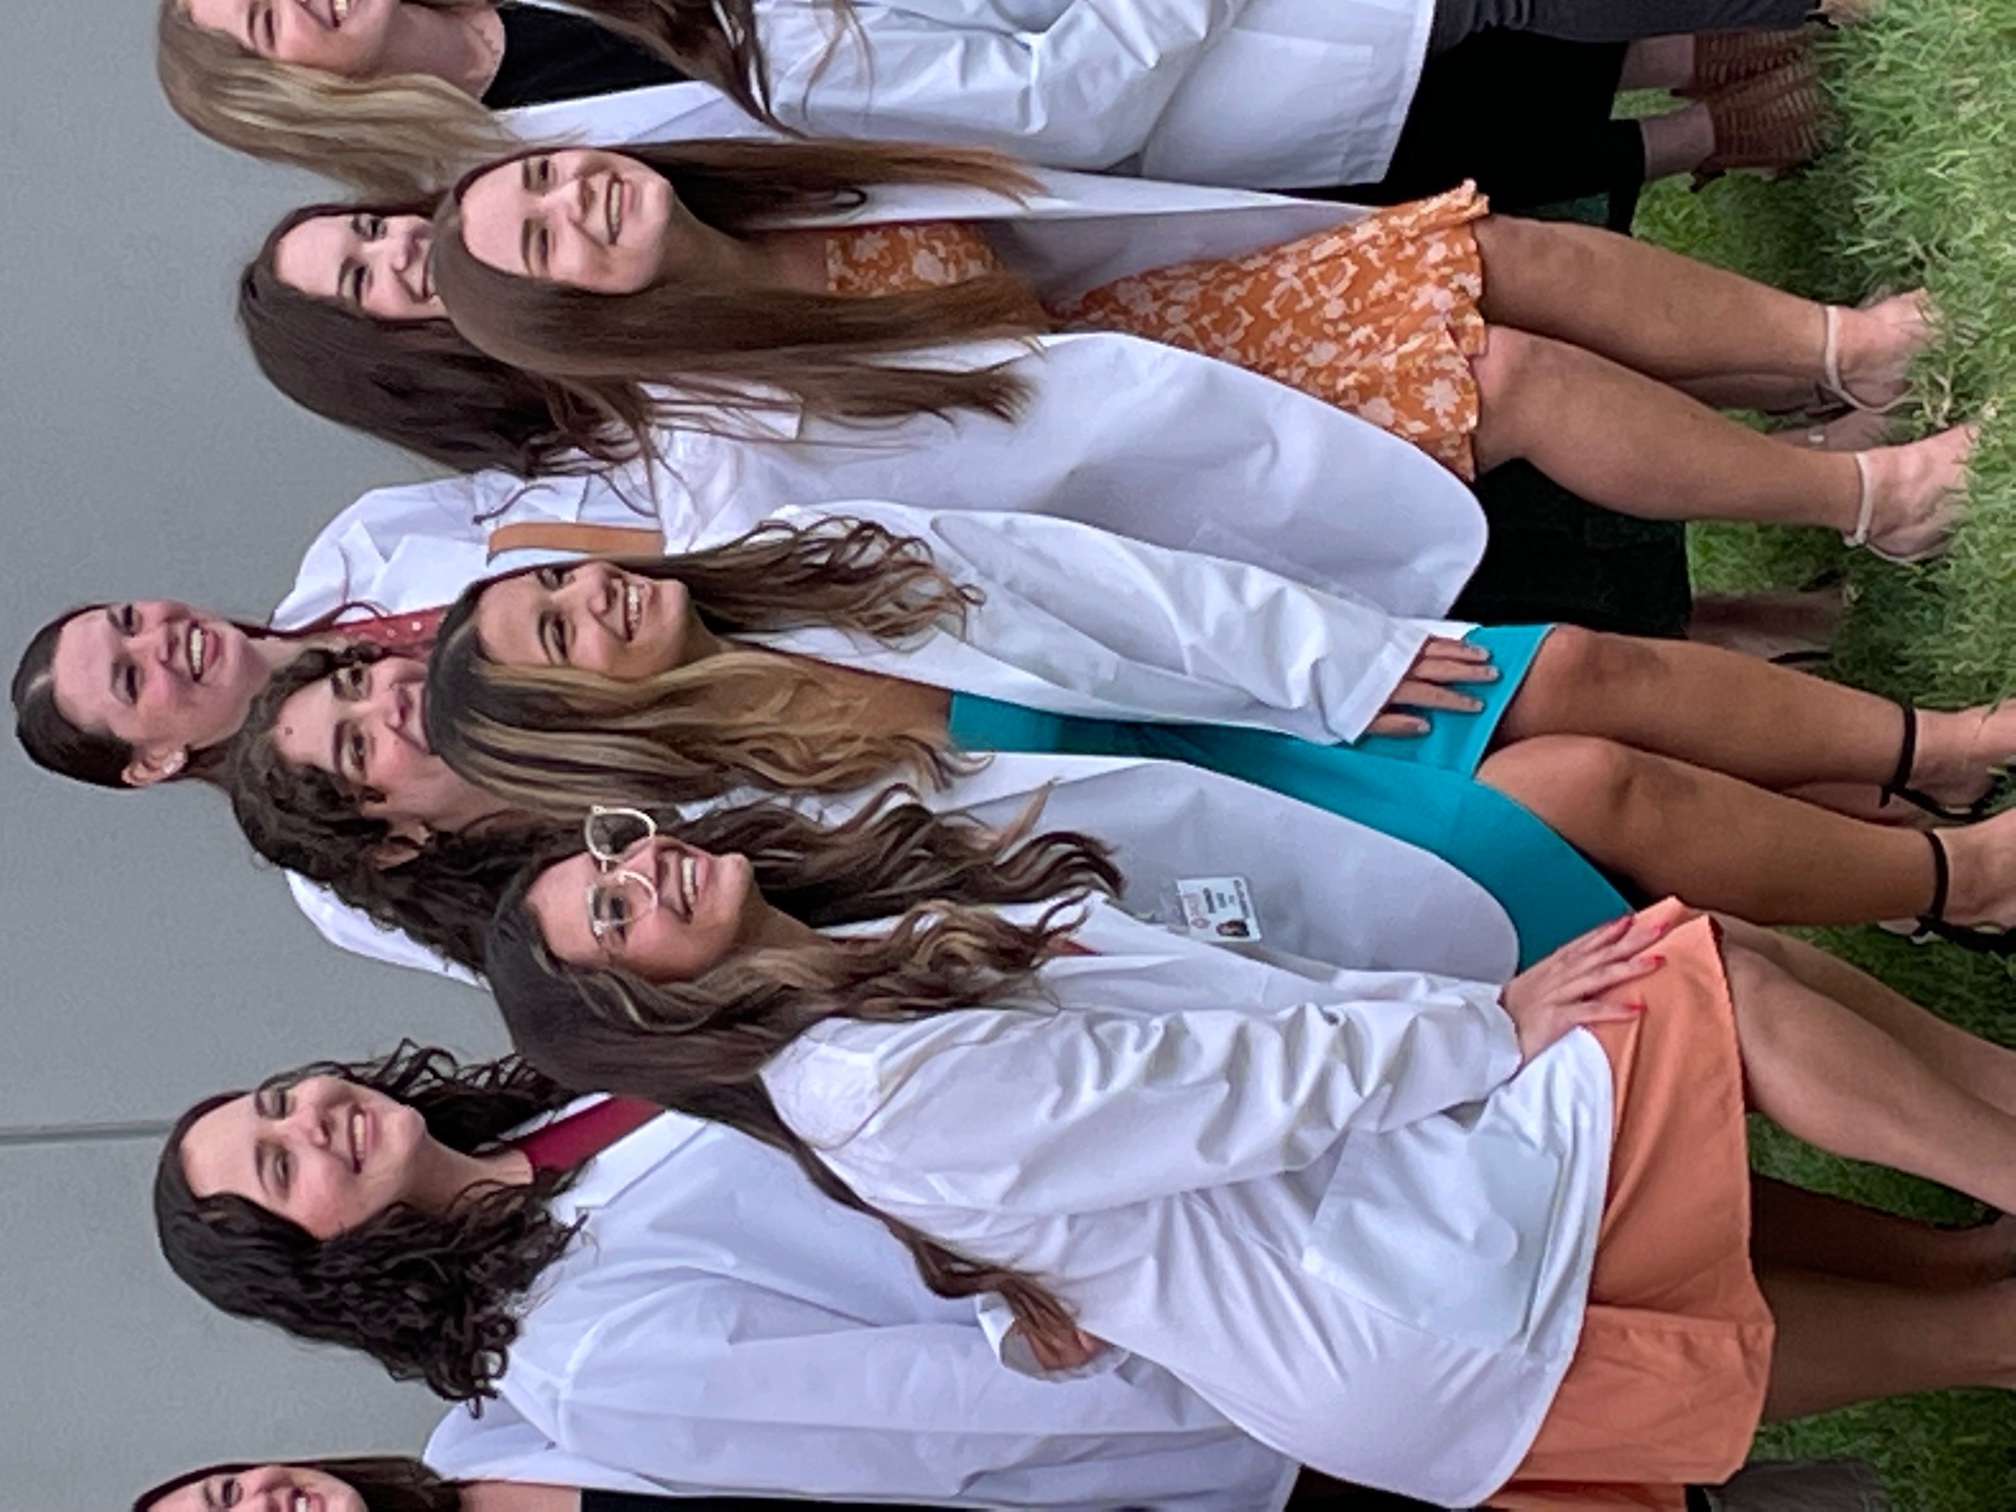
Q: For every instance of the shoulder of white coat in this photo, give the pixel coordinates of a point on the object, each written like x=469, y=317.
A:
x=350, y=929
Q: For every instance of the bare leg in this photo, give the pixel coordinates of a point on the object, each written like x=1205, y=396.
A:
x=1770, y=725
x=1626, y=441
x=1977, y=1066
x=1714, y=840
x=1833, y=1078
x=1658, y=63
x=1767, y=623
x=1679, y=141
x=1842, y=1341
x=1791, y=1227
x=1672, y=317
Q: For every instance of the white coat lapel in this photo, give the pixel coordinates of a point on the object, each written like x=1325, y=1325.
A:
x=633, y=1157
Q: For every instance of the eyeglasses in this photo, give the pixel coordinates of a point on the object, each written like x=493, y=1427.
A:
x=618, y=896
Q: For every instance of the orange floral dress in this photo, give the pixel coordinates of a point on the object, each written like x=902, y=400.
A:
x=1378, y=317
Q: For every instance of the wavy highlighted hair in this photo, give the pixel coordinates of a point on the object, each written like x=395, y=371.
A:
x=430, y=1297
x=700, y=1046
x=734, y=345
x=411, y=134
x=550, y=739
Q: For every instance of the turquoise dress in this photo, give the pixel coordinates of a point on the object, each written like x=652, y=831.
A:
x=1417, y=789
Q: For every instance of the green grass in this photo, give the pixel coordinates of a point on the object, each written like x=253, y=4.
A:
x=1922, y=189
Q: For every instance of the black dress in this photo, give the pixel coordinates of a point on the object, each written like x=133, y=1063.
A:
x=552, y=55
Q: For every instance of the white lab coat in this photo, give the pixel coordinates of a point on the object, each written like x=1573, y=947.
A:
x=1077, y=622
x=1254, y=93
x=1141, y=439
x=719, y=1327
x=1320, y=1198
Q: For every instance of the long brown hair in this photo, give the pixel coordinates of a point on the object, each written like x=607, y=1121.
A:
x=410, y=134
x=549, y=739
x=701, y=1046
x=417, y=383
x=831, y=353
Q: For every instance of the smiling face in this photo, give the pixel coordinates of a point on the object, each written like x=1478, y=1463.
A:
x=324, y=1153
x=163, y=677
x=373, y=264
x=362, y=724
x=695, y=912
x=343, y=37
x=595, y=220
x=591, y=615
x=266, y=1488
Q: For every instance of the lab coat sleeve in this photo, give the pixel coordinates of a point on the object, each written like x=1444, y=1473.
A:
x=1082, y=92
x=712, y=1380
x=1186, y=636
x=350, y=929
x=1044, y=1113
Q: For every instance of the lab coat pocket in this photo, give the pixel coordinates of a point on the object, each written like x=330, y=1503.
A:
x=1445, y=1225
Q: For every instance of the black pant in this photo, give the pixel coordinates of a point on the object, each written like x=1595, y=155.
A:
x=1526, y=117
x=1608, y=20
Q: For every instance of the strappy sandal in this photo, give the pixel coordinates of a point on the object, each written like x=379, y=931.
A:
x=1865, y=512
x=1899, y=784
x=1981, y=939
x=1725, y=58
x=1832, y=384
x=1771, y=122
x=1865, y=509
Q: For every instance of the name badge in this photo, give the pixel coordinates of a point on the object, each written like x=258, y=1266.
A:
x=1219, y=909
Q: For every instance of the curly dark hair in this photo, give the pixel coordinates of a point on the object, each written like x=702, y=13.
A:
x=311, y=822
x=430, y=1297
x=417, y=384
x=385, y=1482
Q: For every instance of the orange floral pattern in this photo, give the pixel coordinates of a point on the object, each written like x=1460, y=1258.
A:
x=900, y=258
x=1379, y=317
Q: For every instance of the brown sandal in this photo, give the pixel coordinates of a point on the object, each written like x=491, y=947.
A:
x=1774, y=121
x=1724, y=58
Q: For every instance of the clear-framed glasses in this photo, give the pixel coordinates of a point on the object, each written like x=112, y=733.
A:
x=618, y=896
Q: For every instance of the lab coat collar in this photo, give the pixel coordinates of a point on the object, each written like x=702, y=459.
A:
x=633, y=1157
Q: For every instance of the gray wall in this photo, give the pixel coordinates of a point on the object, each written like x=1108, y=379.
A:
x=147, y=959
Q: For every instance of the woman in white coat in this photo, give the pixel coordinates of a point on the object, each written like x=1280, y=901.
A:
x=825, y=659
x=652, y=1296
x=829, y=272
x=399, y=95
x=1414, y=1231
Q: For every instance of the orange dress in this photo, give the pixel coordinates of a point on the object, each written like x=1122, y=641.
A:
x=1378, y=317
x=1666, y=1386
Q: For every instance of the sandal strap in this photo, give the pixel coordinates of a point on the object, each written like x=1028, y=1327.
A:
x=1865, y=514
x=1942, y=879
x=1899, y=781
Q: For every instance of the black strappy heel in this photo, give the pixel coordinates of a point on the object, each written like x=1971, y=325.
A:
x=1932, y=923
x=1899, y=785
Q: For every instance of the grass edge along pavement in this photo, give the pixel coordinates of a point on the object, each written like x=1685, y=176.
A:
x=1920, y=189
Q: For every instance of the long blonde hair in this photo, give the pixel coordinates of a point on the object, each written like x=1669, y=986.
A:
x=411, y=134
x=549, y=739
